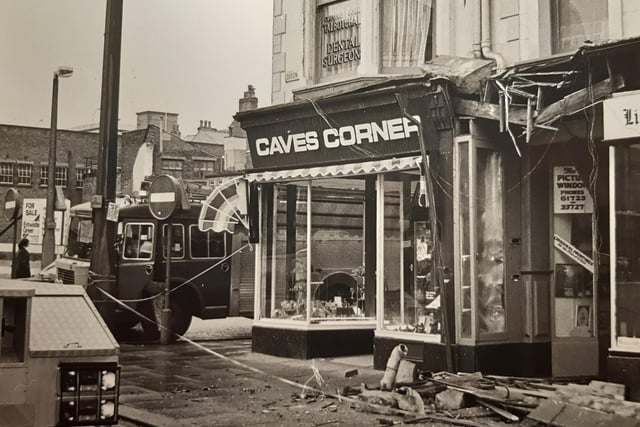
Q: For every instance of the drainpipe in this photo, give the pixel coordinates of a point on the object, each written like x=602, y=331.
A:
x=485, y=13
x=477, y=29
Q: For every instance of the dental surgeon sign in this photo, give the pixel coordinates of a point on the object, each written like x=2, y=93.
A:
x=327, y=134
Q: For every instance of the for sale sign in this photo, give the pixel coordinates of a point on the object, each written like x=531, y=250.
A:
x=570, y=195
x=33, y=219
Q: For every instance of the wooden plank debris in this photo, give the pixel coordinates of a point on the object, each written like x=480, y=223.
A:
x=442, y=397
x=578, y=100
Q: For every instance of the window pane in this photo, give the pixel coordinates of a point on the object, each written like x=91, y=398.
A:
x=44, y=175
x=61, y=176
x=464, y=240
x=138, y=241
x=203, y=168
x=177, y=237
x=24, y=173
x=207, y=244
x=627, y=165
x=285, y=289
x=337, y=248
x=79, y=177
x=412, y=299
x=576, y=21
x=172, y=167
x=406, y=33
x=490, y=249
x=6, y=173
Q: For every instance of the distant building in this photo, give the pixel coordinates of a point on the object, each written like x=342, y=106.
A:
x=167, y=122
x=234, y=140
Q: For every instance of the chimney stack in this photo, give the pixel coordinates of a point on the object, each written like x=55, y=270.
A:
x=249, y=101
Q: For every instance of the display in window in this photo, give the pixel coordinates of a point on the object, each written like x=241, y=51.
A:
x=412, y=299
x=329, y=285
x=573, y=280
x=583, y=316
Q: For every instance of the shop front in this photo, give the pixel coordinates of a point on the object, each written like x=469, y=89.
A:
x=622, y=134
x=341, y=218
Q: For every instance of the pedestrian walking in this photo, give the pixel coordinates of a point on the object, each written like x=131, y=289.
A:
x=21, y=266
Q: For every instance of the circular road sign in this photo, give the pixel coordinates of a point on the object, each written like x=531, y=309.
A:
x=164, y=196
x=12, y=204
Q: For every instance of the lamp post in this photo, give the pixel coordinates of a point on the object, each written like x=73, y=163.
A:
x=48, y=241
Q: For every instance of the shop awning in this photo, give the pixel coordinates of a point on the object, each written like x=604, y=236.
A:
x=225, y=207
x=347, y=169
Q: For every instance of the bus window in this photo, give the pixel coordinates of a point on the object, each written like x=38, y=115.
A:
x=177, y=235
x=80, y=237
x=138, y=241
x=206, y=244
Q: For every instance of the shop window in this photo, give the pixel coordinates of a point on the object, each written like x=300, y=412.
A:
x=6, y=173
x=286, y=294
x=626, y=262
x=407, y=34
x=206, y=244
x=479, y=249
x=576, y=21
x=337, y=249
x=13, y=312
x=177, y=243
x=25, y=172
x=315, y=255
x=138, y=241
x=411, y=296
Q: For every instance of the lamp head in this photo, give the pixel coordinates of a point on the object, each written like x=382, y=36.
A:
x=64, y=71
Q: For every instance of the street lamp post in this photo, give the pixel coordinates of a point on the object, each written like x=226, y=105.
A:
x=48, y=241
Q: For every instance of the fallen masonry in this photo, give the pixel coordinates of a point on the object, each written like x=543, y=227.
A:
x=407, y=396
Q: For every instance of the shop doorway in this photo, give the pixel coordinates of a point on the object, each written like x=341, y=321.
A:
x=574, y=345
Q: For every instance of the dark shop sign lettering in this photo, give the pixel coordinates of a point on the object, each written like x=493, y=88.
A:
x=570, y=195
x=621, y=116
x=340, y=41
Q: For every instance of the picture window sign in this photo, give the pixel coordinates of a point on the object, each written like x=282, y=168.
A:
x=570, y=194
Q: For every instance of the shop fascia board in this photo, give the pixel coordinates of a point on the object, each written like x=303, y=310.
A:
x=346, y=102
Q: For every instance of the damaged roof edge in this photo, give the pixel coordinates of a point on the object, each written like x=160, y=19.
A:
x=266, y=114
x=564, y=58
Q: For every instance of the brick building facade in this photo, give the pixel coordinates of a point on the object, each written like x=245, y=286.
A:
x=24, y=153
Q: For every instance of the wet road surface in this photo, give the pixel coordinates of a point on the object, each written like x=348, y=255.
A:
x=185, y=385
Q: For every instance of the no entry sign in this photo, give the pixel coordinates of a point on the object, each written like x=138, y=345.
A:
x=166, y=194
x=12, y=204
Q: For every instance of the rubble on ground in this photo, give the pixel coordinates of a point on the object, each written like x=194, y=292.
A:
x=476, y=400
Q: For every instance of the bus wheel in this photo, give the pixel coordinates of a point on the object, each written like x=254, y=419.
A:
x=180, y=317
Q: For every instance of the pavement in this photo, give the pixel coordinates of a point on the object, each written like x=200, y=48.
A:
x=224, y=383
x=5, y=268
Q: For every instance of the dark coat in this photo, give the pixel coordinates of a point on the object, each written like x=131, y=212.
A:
x=21, y=266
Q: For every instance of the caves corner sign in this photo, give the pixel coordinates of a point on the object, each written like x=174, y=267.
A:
x=621, y=116
x=302, y=143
